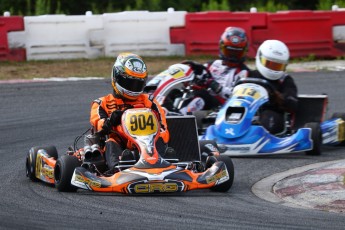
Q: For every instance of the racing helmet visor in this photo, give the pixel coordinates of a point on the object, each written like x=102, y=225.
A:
x=133, y=84
x=232, y=52
x=273, y=65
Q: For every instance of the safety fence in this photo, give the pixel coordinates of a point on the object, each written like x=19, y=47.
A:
x=8, y=24
x=319, y=33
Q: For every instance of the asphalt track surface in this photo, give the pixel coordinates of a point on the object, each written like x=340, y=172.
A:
x=56, y=112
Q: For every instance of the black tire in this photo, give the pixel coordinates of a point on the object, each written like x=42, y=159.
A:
x=63, y=173
x=31, y=160
x=316, y=136
x=224, y=187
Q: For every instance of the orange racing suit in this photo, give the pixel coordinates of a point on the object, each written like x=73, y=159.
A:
x=103, y=107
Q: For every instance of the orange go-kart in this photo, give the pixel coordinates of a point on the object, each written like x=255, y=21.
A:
x=195, y=165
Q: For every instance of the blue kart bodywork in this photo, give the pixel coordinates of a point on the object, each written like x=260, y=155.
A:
x=237, y=133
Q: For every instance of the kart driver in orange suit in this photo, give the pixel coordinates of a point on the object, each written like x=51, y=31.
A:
x=128, y=79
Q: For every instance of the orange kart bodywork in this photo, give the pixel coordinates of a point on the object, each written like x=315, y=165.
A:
x=149, y=173
x=133, y=180
x=43, y=164
x=171, y=178
x=45, y=167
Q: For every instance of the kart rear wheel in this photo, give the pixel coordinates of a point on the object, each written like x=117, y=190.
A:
x=316, y=136
x=31, y=159
x=225, y=186
x=63, y=173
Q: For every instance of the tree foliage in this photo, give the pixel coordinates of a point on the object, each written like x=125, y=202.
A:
x=68, y=7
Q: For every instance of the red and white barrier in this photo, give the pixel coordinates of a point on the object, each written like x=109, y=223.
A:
x=319, y=33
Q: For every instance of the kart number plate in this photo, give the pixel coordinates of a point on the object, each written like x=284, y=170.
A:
x=141, y=123
x=176, y=73
x=251, y=92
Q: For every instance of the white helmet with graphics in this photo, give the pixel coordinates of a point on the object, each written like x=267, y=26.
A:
x=272, y=58
x=129, y=76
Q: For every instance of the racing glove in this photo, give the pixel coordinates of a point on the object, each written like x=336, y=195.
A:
x=214, y=85
x=196, y=67
x=115, y=117
x=113, y=120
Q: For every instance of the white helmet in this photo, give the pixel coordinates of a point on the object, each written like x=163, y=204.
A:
x=272, y=58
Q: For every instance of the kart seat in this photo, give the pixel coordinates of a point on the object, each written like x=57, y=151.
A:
x=311, y=108
x=184, y=137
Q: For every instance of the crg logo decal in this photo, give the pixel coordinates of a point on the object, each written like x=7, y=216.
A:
x=157, y=187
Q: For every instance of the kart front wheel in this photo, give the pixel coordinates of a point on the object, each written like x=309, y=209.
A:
x=316, y=136
x=225, y=186
x=63, y=173
x=31, y=160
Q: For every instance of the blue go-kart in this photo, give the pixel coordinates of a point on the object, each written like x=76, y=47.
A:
x=237, y=132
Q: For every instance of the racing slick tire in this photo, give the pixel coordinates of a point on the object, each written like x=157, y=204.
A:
x=225, y=186
x=31, y=160
x=63, y=173
x=316, y=136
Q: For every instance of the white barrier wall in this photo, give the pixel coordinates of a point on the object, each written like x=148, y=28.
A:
x=61, y=37
x=142, y=32
x=91, y=36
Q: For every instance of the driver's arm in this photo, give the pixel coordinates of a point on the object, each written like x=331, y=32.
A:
x=289, y=93
x=98, y=115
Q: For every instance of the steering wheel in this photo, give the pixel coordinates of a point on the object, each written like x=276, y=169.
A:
x=271, y=89
x=198, y=69
x=264, y=83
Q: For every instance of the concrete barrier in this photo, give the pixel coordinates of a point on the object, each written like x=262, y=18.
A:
x=61, y=37
x=10, y=23
x=169, y=33
x=202, y=31
x=142, y=32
